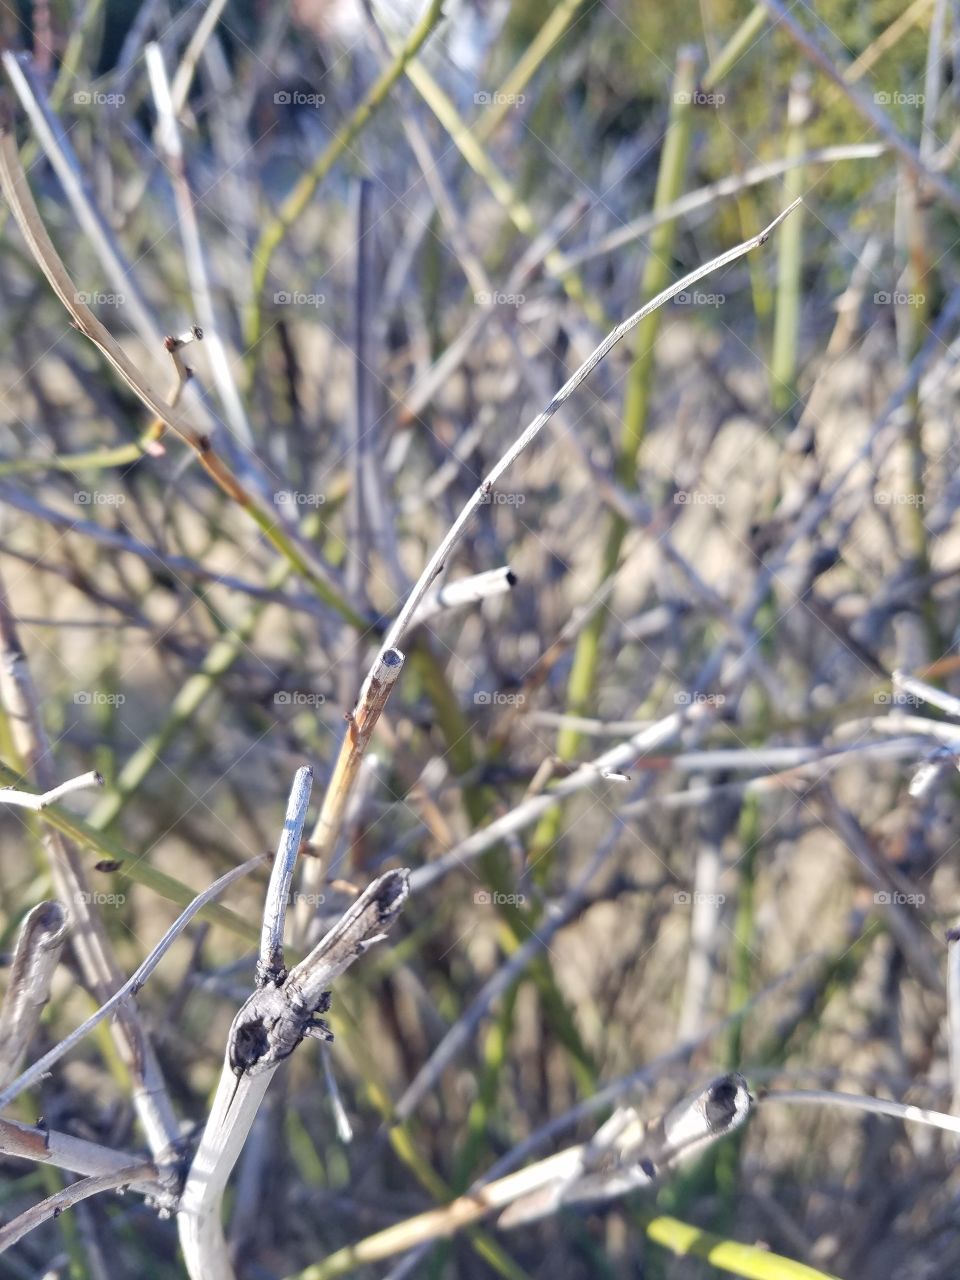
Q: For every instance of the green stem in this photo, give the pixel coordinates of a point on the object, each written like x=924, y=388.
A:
x=656, y=276
x=786, y=325
x=127, y=867
x=746, y=1260
x=301, y=195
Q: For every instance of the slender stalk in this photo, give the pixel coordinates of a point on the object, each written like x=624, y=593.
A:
x=953, y=1013
x=296, y=202
x=122, y=999
x=171, y=146
x=586, y=656
x=864, y=104
x=361, y=723
x=746, y=1260
x=624, y=1155
x=118, y=860
x=786, y=325
x=16, y=189
x=77, y=1155
x=55, y=1204
x=88, y=936
x=29, y=800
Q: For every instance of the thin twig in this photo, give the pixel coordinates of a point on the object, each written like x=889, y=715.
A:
x=17, y=192
x=54, y=1205
x=168, y=140
x=77, y=1155
x=482, y=493
x=361, y=723
x=465, y=591
x=953, y=1014
x=270, y=964
x=703, y=197
x=624, y=1154
x=860, y=1102
x=865, y=105
x=88, y=937
x=28, y=800
x=122, y=997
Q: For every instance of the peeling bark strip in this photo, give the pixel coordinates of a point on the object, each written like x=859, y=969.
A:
x=627, y=1153
x=39, y=943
